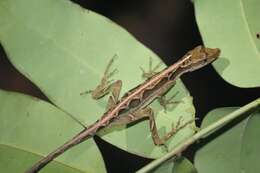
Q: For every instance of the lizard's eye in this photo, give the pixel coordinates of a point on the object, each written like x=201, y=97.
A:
x=205, y=60
x=186, y=63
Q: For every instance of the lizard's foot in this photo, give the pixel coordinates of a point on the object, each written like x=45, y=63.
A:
x=164, y=102
x=176, y=128
x=180, y=124
x=151, y=71
x=105, y=85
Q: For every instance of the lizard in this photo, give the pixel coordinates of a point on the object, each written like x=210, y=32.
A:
x=134, y=104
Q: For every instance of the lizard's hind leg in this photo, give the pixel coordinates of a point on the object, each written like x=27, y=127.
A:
x=156, y=138
x=148, y=113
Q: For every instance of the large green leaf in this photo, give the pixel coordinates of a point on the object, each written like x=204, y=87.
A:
x=234, y=150
x=180, y=165
x=64, y=50
x=232, y=26
x=31, y=128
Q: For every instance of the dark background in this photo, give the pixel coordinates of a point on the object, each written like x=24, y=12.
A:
x=169, y=29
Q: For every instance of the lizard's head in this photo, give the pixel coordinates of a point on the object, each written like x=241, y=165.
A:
x=199, y=57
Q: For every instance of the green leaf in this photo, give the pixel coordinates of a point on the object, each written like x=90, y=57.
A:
x=183, y=165
x=234, y=149
x=64, y=50
x=250, y=150
x=233, y=27
x=31, y=128
x=180, y=165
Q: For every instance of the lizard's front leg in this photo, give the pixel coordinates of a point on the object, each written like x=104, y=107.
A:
x=164, y=102
x=151, y=71
x=107, y=85
x=115, y=89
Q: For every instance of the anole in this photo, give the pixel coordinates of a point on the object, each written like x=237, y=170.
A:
x=134, y=105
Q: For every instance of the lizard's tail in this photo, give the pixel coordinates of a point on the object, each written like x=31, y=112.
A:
x=83, y=135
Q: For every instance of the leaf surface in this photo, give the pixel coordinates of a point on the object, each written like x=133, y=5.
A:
x=234, y=27
x=180, y=165
x=31, y=128
x=234, y=148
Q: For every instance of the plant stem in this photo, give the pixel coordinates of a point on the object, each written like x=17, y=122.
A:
x=201, y=134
